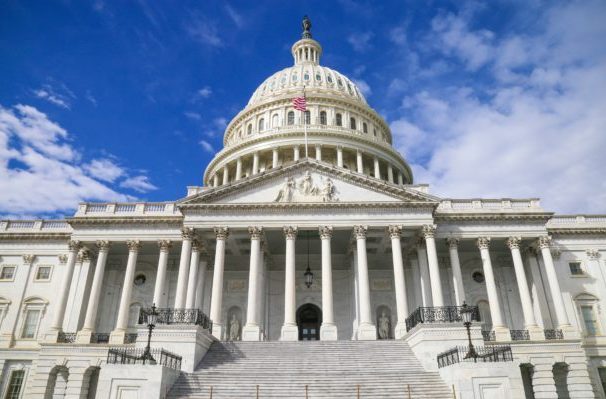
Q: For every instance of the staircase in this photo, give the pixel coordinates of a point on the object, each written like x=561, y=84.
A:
x=337, y=369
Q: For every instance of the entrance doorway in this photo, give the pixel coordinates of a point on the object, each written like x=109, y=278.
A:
x=309, y=319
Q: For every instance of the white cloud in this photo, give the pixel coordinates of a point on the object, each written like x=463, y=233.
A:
x=104, y=169
x=204, y=31
x=363, y=86
x=235, y=16
x=208, y=147
x=193, y=115
x=398, y=35
x=360, y=41
x=138, y=183
x=204, y=92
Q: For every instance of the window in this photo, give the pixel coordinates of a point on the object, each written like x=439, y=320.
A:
x=261, y=124
x=339, y=120
x=307, y=117
x=274, y=120
x=323, y=118
x=374, y=132
x=291, y=117
x=7, y=273
x=589, y=318
x=352, y=123
x=30, y=325
x=575, y=268
x=43, y=273
x=14, y=384
x=249, y=129
x=364, y=127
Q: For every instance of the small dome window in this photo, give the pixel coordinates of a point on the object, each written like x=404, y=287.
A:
x=318, y=77
x=261, y=124
x=349, y=89
x=283, y=80
x=340, y=82
x=364, y=127
x=329, y=78
x=339, y=120
x=294, y=77
x=322, y=117
x=249, y=129
x=306, y=76
x=291, y=117
x=352, y=123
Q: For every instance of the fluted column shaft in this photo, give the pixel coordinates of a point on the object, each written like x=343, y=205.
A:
x=95, y=289
x=200, y=291
x=192, y=281
x=225, y=175
x=238, y=169
x=554, y=285
x=514, y=245
x=366, y=328
x=74, y=247
x=390, y=173
x=457, y=276
x=256, y=234
x=434, y=268
x=340, y=157
x=327, y=297
x=289, y=283
x=318, y=152
x=181, y=292
x=377, y=168
x=491, y=287
x=255, y=165
x=359, y=162
x=274, y=158
x=296, y=153
x=127, y=288
x=164, y=246
x=395, y=233
x=426, y=299
x=216, y=301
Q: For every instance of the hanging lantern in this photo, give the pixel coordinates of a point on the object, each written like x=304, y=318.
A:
x=309, y=277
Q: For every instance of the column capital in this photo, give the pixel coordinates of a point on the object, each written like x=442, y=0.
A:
x=483, y=242
x=133, y=245
x=429, y=230
x=74, y=245
x=256, y=232
x=221, y=233
x=290, y=232
x=395, y=231
x=556, y=253
x=513, y=242
x=84, y=254
x=593, y=254
x=197, y=245
x=360, y=231
x=103, y=245
x=62, y=258
x=164, y=245
x=544, y=242
x=325, y=232
x=187, y=233
x=29, y=259
x=453, y=243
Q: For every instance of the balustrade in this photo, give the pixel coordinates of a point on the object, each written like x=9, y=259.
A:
x=439, y=314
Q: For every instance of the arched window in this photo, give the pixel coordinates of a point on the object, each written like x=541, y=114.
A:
x=364, y=127
x=339, y=120
x=307, y=117
x=261, y=124
x=249, y=129
x=323, y=118
x=352, y=123
x=274, y=120
x=291, y=117
x=374, y=132
x=587, y=308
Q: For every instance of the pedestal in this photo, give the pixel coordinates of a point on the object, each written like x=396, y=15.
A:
x=570, y=332
x=502, y=334
x=536, y=333
x=251, y=332
x=290, y=333
x=51, y=336
x=367, y=332
x=84, y=336
x=217, y=331
x=117, y=337
x=400, y=330
x=328, y=332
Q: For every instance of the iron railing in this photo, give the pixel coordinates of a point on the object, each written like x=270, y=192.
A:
x=519, y=335
x=489, y=335
x=135, y=356
x=99, y=338
x=66, y=337
x=130, y=338
x=439, y=314
x=178, y=316
x=551, y=334
x=484, y=354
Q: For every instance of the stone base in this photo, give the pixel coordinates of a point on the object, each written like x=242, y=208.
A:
x=6, y=340
x=51, y=336
x=400, y=330
x=502, y=333
x=328, y=332
x=536, y=333
x=117, y=337
x=135, y=381
x=289, y=333
x=84, y=336
x=251, y=332
x=217, y=331
x=367, y=332
x=570, y=332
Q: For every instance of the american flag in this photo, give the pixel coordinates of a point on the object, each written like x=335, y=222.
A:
x=299, y=103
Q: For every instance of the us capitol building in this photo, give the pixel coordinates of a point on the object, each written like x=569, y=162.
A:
x=308, y=226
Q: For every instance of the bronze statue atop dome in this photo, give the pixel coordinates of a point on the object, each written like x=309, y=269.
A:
x=306, y=27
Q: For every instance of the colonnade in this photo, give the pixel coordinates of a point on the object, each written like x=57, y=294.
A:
x=190, y=281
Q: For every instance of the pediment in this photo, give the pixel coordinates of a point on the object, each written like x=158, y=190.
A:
x=309, y=182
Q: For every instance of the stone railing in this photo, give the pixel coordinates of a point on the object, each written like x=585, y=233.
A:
x=489, y=205
x=480, y=354
x=35, y=226
x=439, y=314
x=159, y=356
x=127, y=209
x=177, y=316
x=577, y=221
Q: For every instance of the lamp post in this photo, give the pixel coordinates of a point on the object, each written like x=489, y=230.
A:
x=309, y=276
x=152, y=317
x=467, y=316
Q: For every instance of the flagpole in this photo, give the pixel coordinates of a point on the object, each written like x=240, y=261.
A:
x=305, y=124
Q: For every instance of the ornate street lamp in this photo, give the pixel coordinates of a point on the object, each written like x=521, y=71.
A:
x=467, y=316
x=152, y=317
x=309, y=276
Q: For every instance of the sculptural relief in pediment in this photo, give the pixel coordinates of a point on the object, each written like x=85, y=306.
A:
x=305, y=189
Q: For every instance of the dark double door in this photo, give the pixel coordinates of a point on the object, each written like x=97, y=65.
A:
x=309, y=319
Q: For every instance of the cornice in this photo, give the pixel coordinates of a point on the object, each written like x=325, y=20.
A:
x=541, y=216
x=34, y=236
x=314, y=205
x=576, y=230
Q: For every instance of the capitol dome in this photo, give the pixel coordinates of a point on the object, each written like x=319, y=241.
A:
x=338, y=126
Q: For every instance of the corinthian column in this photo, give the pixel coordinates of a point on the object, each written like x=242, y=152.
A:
x=434, y=269
x=290, y=332
x=180, y=295
x=457, y=277
x=84, y=335
x=216, y=301
x=366, y=328
x=328, y=330
x=117, y=336
x=164, y=246
x=57, y=324
x=192, y=282
x=251, y=331
x=395, y=233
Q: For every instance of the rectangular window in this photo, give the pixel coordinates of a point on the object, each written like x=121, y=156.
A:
x=602, y=373
x=43, y=273
x=14, y=385
x=591, y=324
x=31, y=323
x=575, y=268
x=7, y=273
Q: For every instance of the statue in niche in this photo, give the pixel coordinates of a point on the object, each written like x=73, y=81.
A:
x=234, y=328
x=384, y=326
x=306, y=187
x=287, y=190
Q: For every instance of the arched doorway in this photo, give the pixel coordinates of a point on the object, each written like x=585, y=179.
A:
x=309, y=319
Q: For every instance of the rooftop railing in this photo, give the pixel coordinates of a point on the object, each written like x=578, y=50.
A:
x=128, y=209
x=505, y=204
x=439, y=314
x=34, y=226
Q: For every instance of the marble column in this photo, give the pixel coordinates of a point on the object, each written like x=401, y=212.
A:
x=429, y=232
x=318, y=152
x=395, y=233
x=328, y=330
x=377, y=173
x=192, y=279
x=251, y=330
x=424, y=274
x=554, y=287
x=366, y=328
x=181, y=293
x=216, y=302
x=390, y=173
x=274, y=158
x=457, y=276
x=159, y=300
x=238, y=169
x=57, y=323
x=117, y=336
x=215, y=180
x=200, y=286
x=501, y=331
x=225, y=175
x=359, y=162
x=290, y=331
x=296, y=154
x=340, y=156
x=530, y=323
x=400, y=178
x=255, y=165
x=84, y=336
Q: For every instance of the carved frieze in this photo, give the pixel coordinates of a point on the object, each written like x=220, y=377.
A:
x=306, y=190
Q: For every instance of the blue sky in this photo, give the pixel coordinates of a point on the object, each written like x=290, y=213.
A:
x=127, y=100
